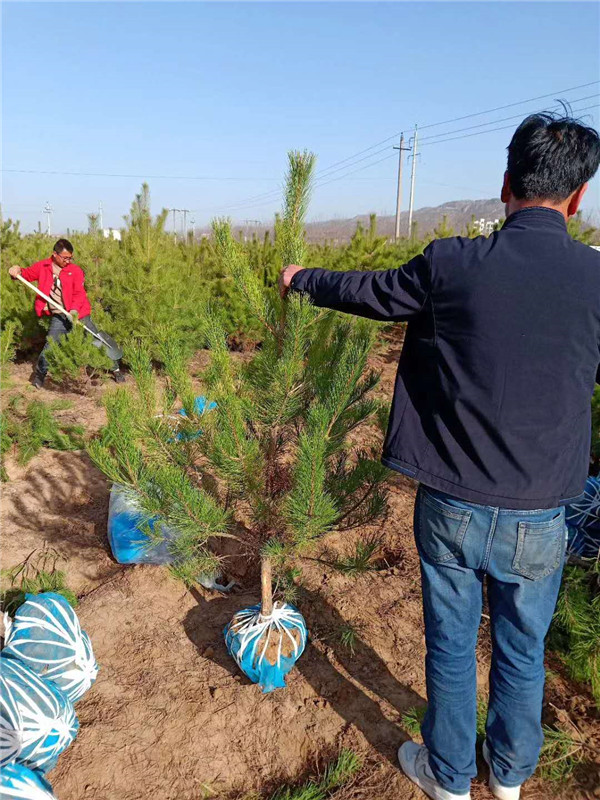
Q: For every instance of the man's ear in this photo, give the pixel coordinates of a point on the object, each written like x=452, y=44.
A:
x=575, y=200
x=505, y=193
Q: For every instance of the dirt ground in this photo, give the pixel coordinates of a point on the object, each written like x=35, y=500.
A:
x=172, y=718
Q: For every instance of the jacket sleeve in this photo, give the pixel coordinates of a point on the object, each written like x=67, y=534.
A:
x=32, y=273
x=386, y=295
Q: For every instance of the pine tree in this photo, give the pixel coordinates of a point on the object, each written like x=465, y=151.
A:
x=93, y=224
x=443, y=230
x=580, y=230
x=276, y=450
x=576, y=627
x=143, y=236
x=26, y=431
x=7, y=350
x=75, y=358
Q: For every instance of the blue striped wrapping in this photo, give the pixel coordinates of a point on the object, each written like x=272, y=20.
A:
x=18, y=782
x=249, y=634
x=41, y=716
x=46, y=636
x=583, y=522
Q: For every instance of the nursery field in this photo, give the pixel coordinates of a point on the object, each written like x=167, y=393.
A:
x=171, y=716
x=274, y=488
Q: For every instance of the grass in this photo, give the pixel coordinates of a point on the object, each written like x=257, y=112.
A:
x=560, y=754
x=36, y=574
x=412, y=719
x=348, y=635
x=27, y=432
x=362, y=560
x=336, y=775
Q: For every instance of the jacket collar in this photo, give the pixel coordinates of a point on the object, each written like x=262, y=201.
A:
x=536, y=216
x=47, y=262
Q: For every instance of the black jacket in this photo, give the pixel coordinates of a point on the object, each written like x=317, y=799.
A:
x=502, y=348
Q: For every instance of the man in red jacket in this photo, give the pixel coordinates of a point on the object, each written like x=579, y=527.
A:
x=62, y=281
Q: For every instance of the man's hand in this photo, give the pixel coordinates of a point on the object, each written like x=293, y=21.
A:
x=286, y=276
x=14, y=272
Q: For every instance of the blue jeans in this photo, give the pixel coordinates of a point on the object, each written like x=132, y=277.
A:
x=522, y=555
x=61, y=326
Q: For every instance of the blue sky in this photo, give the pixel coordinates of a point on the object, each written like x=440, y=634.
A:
x=221, y=91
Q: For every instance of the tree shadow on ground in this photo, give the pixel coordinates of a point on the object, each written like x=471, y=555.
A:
x=347, y=696
x=365, y=667
x=64, y=498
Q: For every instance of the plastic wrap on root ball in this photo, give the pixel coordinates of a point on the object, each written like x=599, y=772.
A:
x=46, y=636
x=41, y=715
x=11, y=737
x=583, y=521
x=128, y=543
x=266, y=648
x=18, y=782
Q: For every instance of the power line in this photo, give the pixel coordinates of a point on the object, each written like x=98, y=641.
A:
x=360, y=169
x=510, y=105
x=333, y=168
x=270, y=197
x=467, y=116
x=491, y=130
x=146, y=177
x=504, y=119
x=392, y=155
x=249, y=202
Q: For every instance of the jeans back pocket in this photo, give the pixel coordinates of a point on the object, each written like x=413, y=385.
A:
x=540, y=546
x=440, y=528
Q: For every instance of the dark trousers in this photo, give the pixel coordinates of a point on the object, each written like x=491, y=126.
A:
x=61, y=326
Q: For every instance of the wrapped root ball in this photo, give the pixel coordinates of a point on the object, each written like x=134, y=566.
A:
x=583, y=522
x=46, y=636
x=21, y=783
x=41, y=715
x=11, y=737
x=266, y=647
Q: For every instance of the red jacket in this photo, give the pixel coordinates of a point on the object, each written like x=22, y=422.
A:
x=73, y=291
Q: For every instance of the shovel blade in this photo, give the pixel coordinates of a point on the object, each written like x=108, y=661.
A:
x=108, y=344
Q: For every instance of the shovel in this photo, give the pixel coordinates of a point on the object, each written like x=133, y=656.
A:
x=112, y=349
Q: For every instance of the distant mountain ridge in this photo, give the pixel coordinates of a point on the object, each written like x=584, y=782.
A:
x=458, y=214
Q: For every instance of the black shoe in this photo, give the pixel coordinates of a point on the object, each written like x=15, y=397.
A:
x=38, y=381
x=118, y=376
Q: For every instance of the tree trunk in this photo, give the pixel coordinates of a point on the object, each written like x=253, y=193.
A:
x=266, y=581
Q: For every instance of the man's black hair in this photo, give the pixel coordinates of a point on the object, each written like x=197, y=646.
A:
x=63, y=244
x=549, y=157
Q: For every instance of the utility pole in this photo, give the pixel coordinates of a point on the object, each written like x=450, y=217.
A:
x=185, y=212
x=174, y=226
x=412, y=181
x=100, y=216
x=400, y=149
x=48, y=211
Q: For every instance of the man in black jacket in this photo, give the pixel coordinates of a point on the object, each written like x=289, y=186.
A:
x=491, y=415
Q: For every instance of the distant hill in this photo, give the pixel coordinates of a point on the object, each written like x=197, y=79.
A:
x=458, y=212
